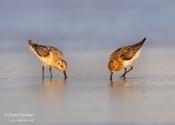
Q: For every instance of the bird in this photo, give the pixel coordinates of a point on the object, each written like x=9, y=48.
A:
x=124, y=57
x=49, y=56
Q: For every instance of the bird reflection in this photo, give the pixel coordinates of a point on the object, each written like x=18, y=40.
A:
x=53, y=83
x=123, y=83
x=125, y=88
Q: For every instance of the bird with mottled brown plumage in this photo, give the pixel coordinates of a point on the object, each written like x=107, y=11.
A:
x=123, y=57
x=49, y=56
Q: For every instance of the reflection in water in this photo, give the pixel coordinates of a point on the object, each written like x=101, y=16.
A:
x=119, y=83
x=53, y=83
x=52, y=86
x=124, y=88
x=124, y=83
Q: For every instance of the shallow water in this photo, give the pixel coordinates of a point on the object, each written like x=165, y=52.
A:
x=88, y=97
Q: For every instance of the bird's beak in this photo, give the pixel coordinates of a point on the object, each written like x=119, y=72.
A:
x=65, y=75
x=111, y=76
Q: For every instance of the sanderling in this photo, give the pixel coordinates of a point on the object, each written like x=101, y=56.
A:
x=50, y=56
x=123, y=57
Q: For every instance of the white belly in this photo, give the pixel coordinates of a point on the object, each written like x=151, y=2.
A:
x=129, y=62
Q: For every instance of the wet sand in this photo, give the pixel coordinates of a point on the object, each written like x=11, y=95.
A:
x=88, y=97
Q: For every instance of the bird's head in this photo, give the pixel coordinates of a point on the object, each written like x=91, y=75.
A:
x=114, y=66
x=61, y=65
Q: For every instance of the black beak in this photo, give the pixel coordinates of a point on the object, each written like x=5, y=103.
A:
x=65, y=75
x=111, y=76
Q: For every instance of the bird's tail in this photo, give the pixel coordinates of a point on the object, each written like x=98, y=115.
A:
x=139, y=44
x=32, y=44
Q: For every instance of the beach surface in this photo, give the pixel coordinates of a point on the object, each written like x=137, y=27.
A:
x=87, y=97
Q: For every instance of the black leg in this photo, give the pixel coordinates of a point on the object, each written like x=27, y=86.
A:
x=43, y=71
x=131, y=68
x=123, y=75
x=126, y=71
x=111, y=76
x=50, y=69
x=65, y=75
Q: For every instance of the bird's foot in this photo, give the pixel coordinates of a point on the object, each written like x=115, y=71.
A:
x=123, y=77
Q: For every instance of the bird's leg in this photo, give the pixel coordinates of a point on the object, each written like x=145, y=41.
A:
x=111, y=76
x=123, y=75
x=50, y=70
x=43, y=71
x=126, y=71
x=131, y=68
x=65, y=75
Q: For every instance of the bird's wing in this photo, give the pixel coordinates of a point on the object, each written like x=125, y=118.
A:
x=41, y=50
x=115, y=54
x=127, y=53
x=55, y=51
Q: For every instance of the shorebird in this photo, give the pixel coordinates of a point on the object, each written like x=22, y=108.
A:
x=123, y=57
x=49, y=56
